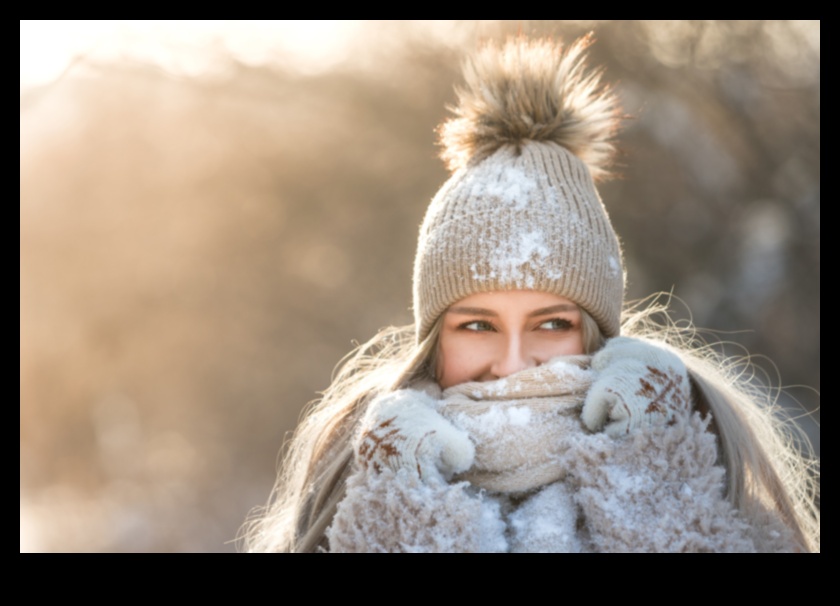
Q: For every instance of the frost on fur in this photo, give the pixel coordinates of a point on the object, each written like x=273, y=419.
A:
x=532, y=90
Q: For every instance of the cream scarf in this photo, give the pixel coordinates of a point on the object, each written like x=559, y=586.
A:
x=519, y=424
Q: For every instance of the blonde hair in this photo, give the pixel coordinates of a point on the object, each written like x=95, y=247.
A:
x=765, y=471
x=317, y=459
x=769, y=462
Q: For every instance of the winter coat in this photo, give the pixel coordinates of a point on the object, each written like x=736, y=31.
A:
x=658, y=488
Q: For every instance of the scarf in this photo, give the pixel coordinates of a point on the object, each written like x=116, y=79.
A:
x=519, y=424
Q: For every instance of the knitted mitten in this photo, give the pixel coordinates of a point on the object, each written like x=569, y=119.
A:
x=639, y=384
x=402, y=430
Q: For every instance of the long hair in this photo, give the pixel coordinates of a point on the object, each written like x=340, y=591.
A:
x=770, y=465
x=317, y=459
x=765, y=472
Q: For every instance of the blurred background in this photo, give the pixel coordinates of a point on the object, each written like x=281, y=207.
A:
x=212, y=213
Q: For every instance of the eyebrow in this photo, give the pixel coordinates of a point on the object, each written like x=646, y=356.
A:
x=543, y=311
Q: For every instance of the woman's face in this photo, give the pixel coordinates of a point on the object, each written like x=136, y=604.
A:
x=492, y=335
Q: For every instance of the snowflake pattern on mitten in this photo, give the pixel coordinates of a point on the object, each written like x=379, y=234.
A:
x=402, y=430
x=384, y=442
x=665, y=389
x=639, y=384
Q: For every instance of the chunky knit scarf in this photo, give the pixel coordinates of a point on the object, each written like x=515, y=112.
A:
x=519, y=424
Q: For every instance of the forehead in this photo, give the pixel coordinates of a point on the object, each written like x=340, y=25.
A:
x=512, y=300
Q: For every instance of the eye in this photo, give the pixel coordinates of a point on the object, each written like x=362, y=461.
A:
x=556, y=324
x=476, y=326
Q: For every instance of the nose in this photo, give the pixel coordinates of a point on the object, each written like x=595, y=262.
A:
x=512, y=358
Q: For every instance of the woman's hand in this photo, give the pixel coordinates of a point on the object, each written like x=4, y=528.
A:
x=402, y=430
x=639, y=384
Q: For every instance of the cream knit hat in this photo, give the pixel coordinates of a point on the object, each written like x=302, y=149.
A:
x=520, y=210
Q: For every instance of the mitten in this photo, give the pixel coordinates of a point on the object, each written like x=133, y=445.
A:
x=638, y=384
x=402, y=430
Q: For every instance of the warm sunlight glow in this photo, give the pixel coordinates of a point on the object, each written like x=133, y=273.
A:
x=48, y=48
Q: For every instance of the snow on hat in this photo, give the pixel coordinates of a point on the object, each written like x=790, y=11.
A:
x=520, y=211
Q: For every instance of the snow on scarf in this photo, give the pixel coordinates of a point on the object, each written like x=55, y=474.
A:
x=520, y=424
x=541, y=482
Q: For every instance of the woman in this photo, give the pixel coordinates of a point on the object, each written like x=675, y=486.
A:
x=519, y=413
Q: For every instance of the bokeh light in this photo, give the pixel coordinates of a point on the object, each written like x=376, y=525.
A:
x=212, y=212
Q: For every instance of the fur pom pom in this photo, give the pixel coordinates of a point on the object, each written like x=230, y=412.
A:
x=532, y=90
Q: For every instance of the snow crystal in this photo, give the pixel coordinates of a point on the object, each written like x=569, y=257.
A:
x=510, y=260
x=530, y=244
x=625, y=483
x=546, y=522
x=499, y=387
x=496, y=419
x=514, y=187
x=615, y=266
x=492, y=420
x=519, y=416
x=492, y=536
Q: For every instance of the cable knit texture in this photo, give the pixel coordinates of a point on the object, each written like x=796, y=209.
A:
x=656, y=489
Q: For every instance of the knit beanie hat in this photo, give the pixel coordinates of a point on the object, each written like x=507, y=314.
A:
x=532, y=129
